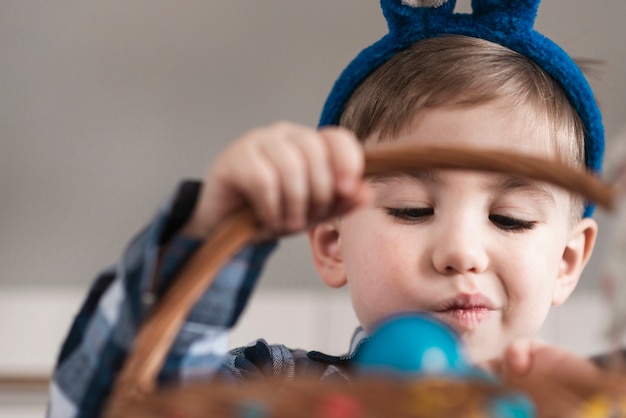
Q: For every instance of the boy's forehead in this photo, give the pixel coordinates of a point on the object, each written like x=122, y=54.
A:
x=500, y=124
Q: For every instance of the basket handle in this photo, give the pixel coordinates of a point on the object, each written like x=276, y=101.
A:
x=157, y=334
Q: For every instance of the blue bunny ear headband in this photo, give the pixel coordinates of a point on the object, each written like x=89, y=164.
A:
x=505, y=22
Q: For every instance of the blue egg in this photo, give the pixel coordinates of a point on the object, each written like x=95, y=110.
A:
x=419, y=345
x=413, y=344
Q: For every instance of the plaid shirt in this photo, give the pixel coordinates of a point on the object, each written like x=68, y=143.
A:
x=104, y=329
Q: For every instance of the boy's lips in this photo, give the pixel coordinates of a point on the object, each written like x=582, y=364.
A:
x=465, y=312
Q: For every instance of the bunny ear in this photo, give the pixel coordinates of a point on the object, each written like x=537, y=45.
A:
x=512, y=15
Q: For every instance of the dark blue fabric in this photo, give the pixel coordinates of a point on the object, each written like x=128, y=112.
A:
x=111, y=362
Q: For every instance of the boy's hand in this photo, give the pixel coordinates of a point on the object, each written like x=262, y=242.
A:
x=525, y=357
x=291, y=175
x=545, y=370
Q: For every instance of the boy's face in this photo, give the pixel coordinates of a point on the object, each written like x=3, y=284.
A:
x=487, y=253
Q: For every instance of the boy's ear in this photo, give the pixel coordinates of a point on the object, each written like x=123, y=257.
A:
x=325, y=241
x=575, y=256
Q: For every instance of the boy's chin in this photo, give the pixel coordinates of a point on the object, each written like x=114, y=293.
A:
x=480, y=351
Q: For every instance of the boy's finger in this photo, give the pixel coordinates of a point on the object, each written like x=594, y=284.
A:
x=319, y=172
x=346, y=158
x=256, y=179
x=291, y=167
x=518, y=357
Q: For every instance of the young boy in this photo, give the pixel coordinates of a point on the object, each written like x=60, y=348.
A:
x=487, y=253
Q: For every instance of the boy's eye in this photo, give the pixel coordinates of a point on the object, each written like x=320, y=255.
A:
x=410, y=215
x=508, y=223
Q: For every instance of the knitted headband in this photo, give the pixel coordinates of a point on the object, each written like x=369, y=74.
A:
x=505, y=22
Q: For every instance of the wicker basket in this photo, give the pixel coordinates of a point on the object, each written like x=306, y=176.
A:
x=136, y=395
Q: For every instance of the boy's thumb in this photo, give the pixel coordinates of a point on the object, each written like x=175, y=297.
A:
x=518, y=358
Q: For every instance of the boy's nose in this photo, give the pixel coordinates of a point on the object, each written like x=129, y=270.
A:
x=459, y=250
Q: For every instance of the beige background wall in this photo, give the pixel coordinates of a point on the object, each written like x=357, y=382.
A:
x=105, y=105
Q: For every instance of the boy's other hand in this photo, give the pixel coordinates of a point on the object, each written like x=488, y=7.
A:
x=526, y=356
x=532, y=364
x=291, y=175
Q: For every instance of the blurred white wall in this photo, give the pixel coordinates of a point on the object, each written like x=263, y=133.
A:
x=105, y=106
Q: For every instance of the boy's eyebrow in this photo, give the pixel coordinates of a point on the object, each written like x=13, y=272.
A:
x=502, y=184
x=430, y=176
x=507, y=183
